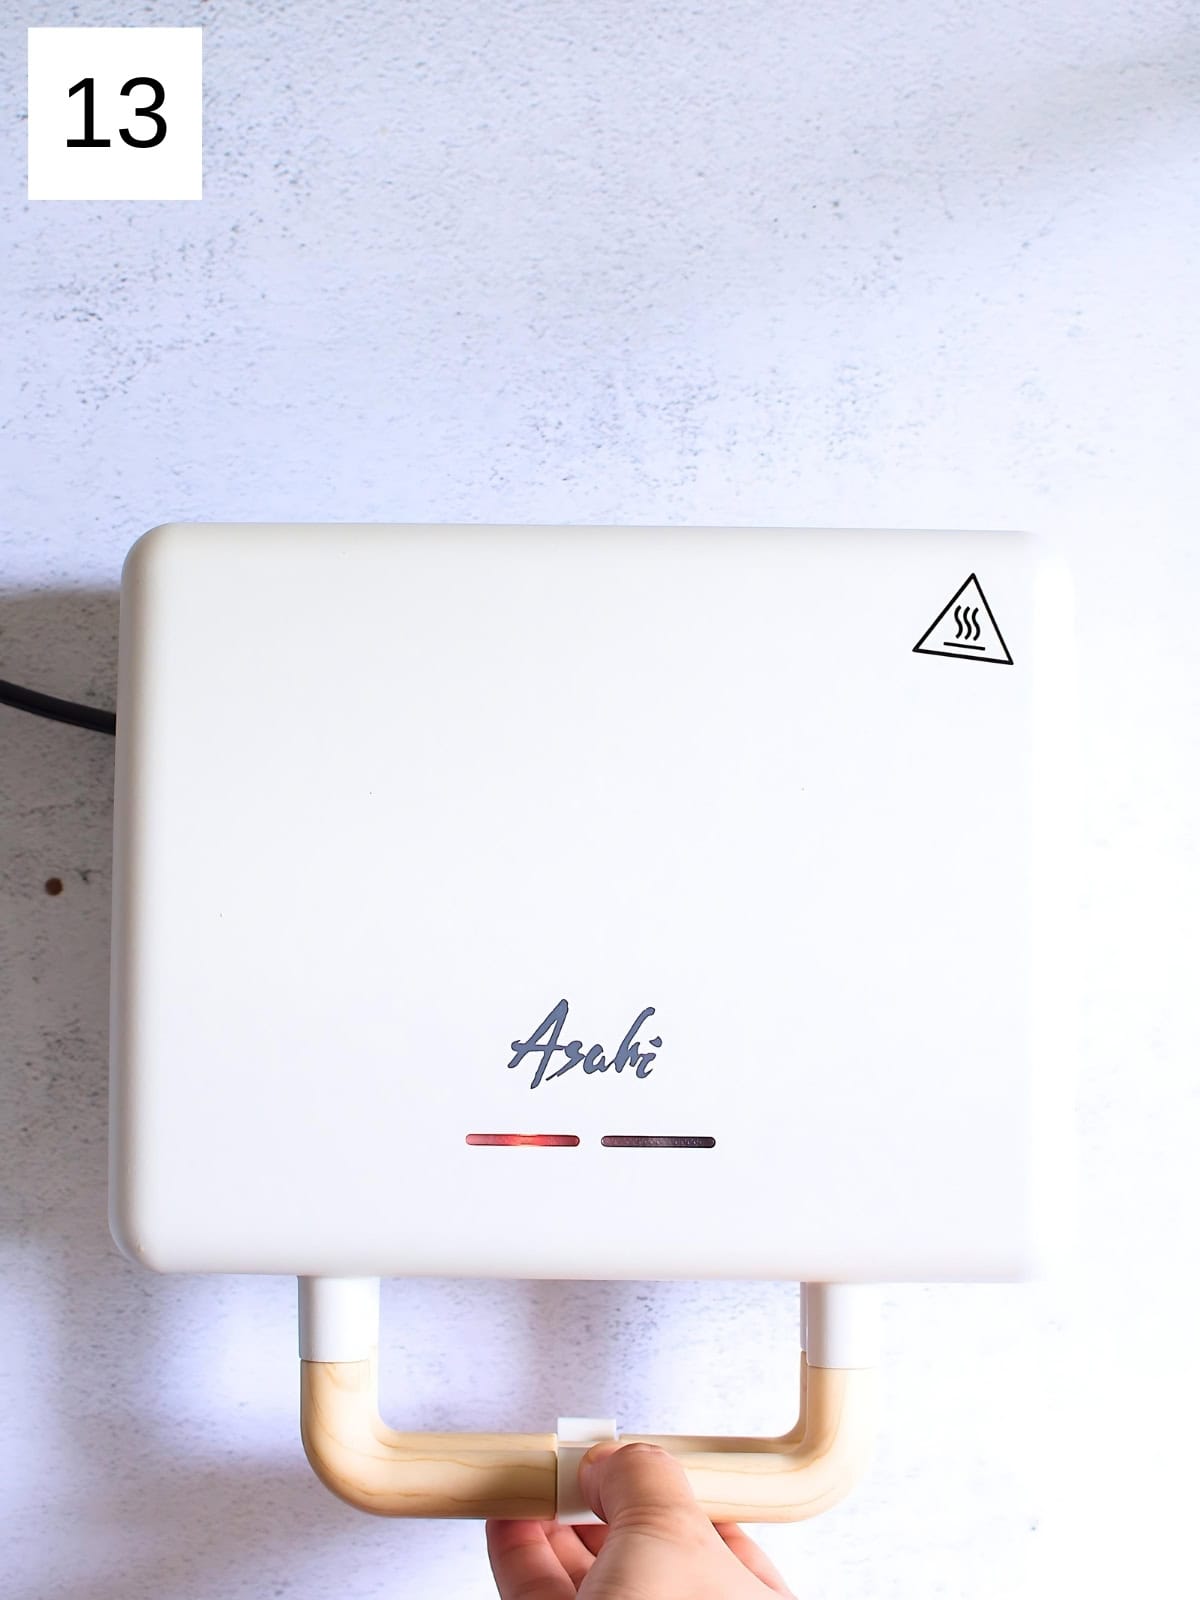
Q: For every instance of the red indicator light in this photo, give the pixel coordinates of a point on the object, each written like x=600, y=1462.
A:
x=523, y=1138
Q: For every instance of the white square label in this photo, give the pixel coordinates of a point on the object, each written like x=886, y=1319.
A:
x=115, y=114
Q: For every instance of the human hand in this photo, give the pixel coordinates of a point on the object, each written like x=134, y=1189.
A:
x=654, y=1544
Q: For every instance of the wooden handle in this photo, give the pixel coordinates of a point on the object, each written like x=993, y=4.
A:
x=393, y=1474
x=514, y=1475
x=797, y=1475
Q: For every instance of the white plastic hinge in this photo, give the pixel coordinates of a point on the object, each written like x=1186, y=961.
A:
x=576, y=1436
x=339, y=1318
x=841, y=1324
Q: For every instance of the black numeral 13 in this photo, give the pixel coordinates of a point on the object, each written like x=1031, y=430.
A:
x=90, y=141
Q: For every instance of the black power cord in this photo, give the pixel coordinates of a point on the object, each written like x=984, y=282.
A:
x=46, y=705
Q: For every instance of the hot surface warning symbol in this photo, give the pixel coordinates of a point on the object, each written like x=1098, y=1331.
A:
x=966, y=628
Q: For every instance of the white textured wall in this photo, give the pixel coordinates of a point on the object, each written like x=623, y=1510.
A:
x=725, y=261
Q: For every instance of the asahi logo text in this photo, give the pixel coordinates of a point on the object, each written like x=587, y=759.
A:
x=553, y=1058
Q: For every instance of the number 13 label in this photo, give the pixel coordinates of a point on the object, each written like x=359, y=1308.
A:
x=115, y=114
x=90, y=141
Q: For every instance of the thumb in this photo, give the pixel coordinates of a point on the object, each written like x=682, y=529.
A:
x=659, y=1541
x=639, y=1485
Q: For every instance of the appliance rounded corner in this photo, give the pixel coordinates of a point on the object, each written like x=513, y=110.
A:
x=144, y=1245
x=149, y=548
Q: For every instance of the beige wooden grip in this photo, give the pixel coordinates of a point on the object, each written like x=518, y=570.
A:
x=514, y=1475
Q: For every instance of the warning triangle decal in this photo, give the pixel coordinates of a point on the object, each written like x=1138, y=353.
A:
x=965, y=628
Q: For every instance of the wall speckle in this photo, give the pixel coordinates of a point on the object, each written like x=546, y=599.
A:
x=730, y=261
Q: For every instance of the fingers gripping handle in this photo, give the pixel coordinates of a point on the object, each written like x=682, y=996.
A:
x=536, y=1475
x=576, y=1436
